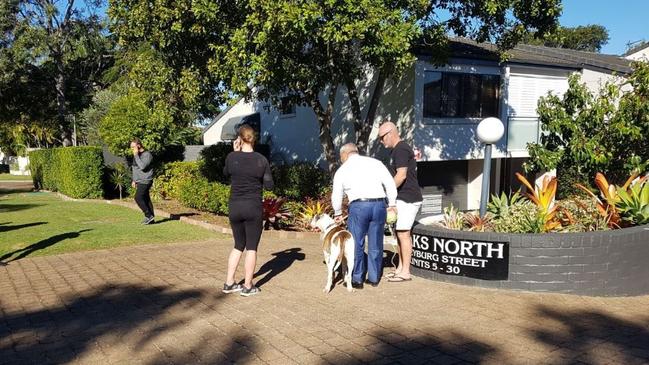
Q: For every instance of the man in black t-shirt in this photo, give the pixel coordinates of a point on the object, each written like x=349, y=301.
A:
x=409, y=196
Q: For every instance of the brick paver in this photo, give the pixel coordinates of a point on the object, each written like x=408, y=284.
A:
x=161, y=304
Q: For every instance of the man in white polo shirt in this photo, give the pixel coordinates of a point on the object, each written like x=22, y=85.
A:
x=367, y=183
x=409, y=198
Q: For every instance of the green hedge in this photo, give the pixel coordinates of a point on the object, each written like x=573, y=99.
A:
x=300, y=181
x=74, y=171
x=213, y=160
x=187, y=183
x=184, y=182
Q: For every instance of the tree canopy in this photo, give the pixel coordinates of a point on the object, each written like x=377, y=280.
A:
x=52, y=55
x=589, y=38
x=178, y=61
x=307, y=50
x=586, y=133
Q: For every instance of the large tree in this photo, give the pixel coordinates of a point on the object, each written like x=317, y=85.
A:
x=307, y=50
x=52, y=53
x=176, y=39
x=589, y=38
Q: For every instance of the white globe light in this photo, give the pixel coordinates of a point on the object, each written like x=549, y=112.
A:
x=490, y=130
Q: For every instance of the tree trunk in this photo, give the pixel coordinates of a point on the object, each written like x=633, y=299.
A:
x=66, y=136
x=365, y=128
x=324, y=120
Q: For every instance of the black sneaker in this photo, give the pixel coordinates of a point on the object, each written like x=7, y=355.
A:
x=149, y=220
x=232, y=288
x=246, y=292
x=372, y=283
x=357, y=285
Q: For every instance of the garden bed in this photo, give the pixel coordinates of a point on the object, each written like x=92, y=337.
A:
x=602, y=263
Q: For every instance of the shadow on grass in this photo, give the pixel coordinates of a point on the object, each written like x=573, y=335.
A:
x=174, y=217
x=24, y=252
x=582, y=330
x=8, y=208
x=4, y=227
x=15, y=188
x=57, y=335
x=282, y=261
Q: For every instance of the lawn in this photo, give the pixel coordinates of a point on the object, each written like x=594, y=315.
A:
x=39, y=223
x=9, y=177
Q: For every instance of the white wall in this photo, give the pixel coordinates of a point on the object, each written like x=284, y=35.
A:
x=213, y=134
x=442, y=139
x=594, y=80
x=295, y=137
x=474, y=189
x=23, y=165
x=641, y=55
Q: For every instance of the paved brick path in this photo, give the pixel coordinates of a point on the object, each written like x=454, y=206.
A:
x=162, y=304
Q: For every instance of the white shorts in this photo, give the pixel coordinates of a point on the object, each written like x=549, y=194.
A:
x=406, y=213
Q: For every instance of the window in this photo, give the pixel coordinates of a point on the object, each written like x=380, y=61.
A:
x=286, y=107
x=459, y=95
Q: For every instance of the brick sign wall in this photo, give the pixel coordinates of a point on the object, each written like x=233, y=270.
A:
x=606, y=263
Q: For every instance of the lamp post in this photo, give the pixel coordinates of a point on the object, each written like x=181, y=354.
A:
x=490, y=131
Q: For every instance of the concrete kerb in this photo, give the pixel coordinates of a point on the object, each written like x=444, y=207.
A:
x=209, y=226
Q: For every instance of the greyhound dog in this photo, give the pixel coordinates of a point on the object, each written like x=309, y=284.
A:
x=337, y=246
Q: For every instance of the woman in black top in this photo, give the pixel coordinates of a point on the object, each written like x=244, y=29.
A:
x=249, y=171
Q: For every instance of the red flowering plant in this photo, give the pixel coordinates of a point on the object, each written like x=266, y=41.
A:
x=274, y=212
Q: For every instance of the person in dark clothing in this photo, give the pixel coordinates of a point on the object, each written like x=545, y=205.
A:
x=409, y=197
x=142, y=179
x=249, y=172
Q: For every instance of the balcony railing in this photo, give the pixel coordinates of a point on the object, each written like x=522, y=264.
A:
x=521, y=131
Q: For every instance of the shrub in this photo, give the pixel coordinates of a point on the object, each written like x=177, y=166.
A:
x=453, y=218
x=184, y=182
x=39, y=162
x=213, y=160
x=119, y=177
x=584, y=133
x=499, y=205
x=474, y=222
x=295, y=208
x=521, y=217
x=581, y=215
x=132, y=115
x=165, y=185
x=310, y=209
x=74, y=171
x=634, y=203
x=301, y=180
x=274, y=212
x=204, y=195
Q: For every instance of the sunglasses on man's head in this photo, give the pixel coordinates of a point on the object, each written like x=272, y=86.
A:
x=384, y=134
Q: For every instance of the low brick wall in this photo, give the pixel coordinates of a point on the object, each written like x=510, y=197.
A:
x=605, y=263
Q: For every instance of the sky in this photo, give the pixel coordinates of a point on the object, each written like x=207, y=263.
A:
x=626, y=20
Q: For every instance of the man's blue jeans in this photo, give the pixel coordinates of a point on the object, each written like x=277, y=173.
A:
x=367, y=218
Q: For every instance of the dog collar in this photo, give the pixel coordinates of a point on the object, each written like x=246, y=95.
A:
x=331, y=225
